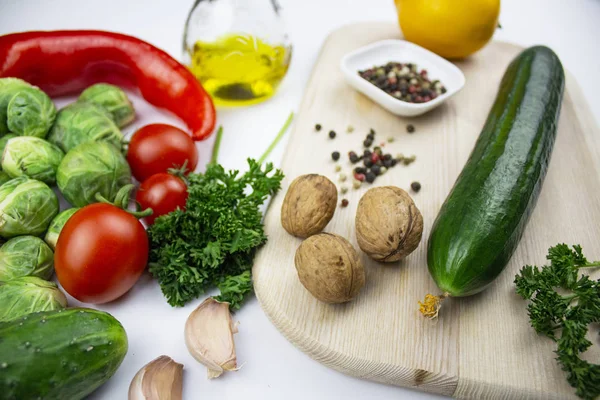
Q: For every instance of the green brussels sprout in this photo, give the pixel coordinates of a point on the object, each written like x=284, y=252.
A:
x=32, y=157
x=56, y=226
x=26, y=207
x=4, y=178
x=90, y=168
x=82, y=122
x=113, y=99
x=26, y=256
x=3, y=140
x=28, y=295
x=24, y=109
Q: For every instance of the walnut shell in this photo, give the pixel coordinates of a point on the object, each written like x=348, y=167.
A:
x=329, y=268
x=389, y=225
x=308, y=205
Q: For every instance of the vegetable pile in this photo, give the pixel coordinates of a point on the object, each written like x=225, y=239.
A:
x=563, y=303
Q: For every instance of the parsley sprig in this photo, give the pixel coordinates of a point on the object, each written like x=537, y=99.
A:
x=213, y=241
x=563, y=304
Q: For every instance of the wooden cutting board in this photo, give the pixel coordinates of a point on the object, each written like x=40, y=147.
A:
x=481, y=347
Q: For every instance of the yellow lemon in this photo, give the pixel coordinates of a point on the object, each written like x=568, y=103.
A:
x=450, y=28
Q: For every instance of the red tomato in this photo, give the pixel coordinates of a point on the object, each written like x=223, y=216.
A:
x=155, y=148
x=162, y=193
x=100, y=254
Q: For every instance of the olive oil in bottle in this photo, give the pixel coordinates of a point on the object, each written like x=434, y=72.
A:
x=239, y=69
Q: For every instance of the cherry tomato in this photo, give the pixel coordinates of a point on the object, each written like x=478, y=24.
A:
x=162, y=193
x=155, y=148
x=100, y=254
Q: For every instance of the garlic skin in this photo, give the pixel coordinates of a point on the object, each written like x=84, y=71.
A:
x=160, y=379
x=209, y=337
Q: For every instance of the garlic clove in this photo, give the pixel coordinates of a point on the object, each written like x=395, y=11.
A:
x=209, y=337
x=160, y=379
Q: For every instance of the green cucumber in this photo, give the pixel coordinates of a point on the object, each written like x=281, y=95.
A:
x=481, y=222
x=63, y=354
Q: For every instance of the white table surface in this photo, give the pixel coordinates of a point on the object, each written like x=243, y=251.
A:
x=272, y=367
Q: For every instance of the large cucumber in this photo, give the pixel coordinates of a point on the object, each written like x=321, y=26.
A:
x=63, y=355
x=482, y=220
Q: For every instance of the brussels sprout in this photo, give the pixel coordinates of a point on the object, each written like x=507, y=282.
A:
x=27, y=295
x=56, y=226
x=3, y=140
x=82, y=122
x=26, y=207
x=24, y=109
x=4, y=178
x=92, y=168
x=26, y=256
x=32, y=157
x=113, y=99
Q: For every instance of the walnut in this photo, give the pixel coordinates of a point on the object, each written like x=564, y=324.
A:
x=329, y=268
x=388, y=224
x=308, y=205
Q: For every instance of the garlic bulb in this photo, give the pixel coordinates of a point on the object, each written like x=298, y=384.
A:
x=209, y=337
x=160, y=379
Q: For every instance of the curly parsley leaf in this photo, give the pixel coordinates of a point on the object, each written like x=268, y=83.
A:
x=213, y=241
x=562, y=305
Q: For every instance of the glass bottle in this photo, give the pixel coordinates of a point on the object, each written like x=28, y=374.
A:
x=238, y=49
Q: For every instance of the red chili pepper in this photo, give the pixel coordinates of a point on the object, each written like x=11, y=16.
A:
x=66, y=62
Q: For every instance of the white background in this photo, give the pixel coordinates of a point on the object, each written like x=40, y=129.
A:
x=272, y=367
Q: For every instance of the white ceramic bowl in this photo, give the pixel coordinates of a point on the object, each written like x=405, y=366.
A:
x=381, y=53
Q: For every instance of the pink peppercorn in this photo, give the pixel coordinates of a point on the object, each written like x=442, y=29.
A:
x=359, y=177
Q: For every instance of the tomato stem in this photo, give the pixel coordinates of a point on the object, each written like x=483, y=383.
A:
x=277, y=138
x=122, y=201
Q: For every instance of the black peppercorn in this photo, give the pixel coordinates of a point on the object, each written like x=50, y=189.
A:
x=410, y=128
x=344, y=202
x=335, y=155
x=353, y=157
x=394, y=162
x=368, y=163
x=318, y=127
x=372, y=131
x=387, y=156
x=368, y=143
x=360, y=170
x=376, y=169
x=415, y=186
x=367, y=153
x=388, y=163
x=370, y=177
x=332, y=134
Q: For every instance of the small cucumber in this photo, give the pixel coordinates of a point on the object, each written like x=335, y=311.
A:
x=482, y=220
x=62, y=355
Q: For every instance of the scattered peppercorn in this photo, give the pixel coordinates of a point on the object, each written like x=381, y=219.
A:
x=359, y=177
x=367, y=162
x=342, y=177
x=387, y=156
x=390, y=139
x=415, y=186
x=335, y=155
x=376, y=169
x=332, y=134
x=344, y=203
x=410, y=128
x=387, y=163
x=360, y=170
x=343, y=189
x=356, y=184
x=368, y=143
x=371, y=131
x=350, y=129
x=353, y=157
x=404, y=82
x=382, y=170
x=318, y=127
x=370, y=177
x=338, y=168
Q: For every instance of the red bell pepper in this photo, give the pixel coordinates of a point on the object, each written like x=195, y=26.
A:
x=66, y=62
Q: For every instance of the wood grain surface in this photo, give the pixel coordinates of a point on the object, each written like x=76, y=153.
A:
x=481, y=347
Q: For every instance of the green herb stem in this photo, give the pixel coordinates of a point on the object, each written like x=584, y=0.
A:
x=216, y=146
x=282, y=131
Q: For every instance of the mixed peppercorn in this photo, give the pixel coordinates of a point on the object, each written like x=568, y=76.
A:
x=404, y=82
x=370, y=162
